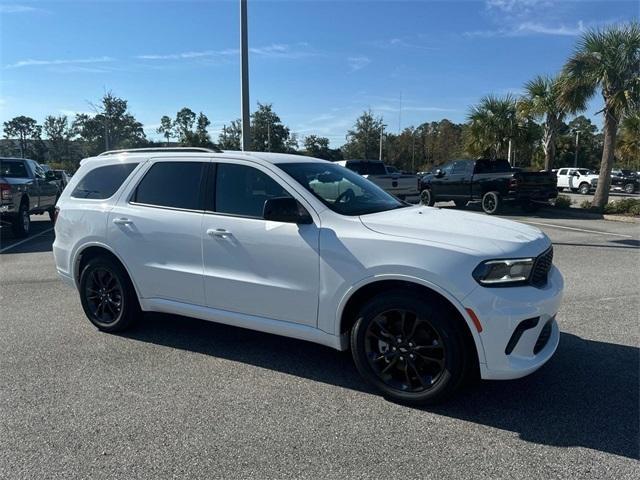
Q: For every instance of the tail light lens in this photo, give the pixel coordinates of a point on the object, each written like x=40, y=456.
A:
x=5, y=191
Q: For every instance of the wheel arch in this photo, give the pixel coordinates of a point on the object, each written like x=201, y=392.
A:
x=368, y=288
x=92, y=250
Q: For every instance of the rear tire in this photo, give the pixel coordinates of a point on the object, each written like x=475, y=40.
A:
x=415, y=358
x=108, y=297
x=491, y=203
x=629, y=188
x=584, y=188
x=21, y=224
x=426, y=198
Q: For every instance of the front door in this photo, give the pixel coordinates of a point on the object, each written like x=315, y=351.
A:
x=253, y=266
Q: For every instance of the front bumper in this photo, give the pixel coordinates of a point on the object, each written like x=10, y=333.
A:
x=501, y=310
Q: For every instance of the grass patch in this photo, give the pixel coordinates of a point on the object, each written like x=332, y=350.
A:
x=563, y=201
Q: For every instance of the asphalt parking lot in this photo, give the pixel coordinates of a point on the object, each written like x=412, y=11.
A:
x=177, y=397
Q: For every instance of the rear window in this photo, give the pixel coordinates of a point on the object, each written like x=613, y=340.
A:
x=172, y=184
x=367, y=168
x=13, y=169
x=492, y=166
x=103, y=182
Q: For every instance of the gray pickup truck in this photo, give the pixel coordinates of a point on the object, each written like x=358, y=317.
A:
x=25, y=189
x=402, y=185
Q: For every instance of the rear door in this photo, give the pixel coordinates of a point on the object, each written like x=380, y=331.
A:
x=156, y=228
x=253, y=266
x=458, y=181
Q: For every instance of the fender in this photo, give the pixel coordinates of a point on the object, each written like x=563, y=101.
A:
x=419, y=281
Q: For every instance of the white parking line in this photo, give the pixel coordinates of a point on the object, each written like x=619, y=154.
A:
x=576, y=229
x=25, y=240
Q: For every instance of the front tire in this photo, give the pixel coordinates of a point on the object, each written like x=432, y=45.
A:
x=409, y=348
x=426, y=198
x=584, y=188
x=491, y=203
x=107, y=295
x=629, y=188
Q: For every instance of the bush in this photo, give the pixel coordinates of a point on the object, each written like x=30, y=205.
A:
x=563, y=201
x=627, y=205
x=585, y=204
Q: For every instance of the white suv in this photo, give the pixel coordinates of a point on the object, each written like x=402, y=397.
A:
x=308, y=249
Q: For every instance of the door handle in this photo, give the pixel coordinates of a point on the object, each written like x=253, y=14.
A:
x=218, y=232
x=122, y=221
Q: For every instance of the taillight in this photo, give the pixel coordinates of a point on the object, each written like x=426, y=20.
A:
x=513, y=183
x=5, y=191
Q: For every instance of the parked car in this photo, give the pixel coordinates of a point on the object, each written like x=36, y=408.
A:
x=307, y=249
x=402, y=185
x=492, y=182
x=625, y=180
x=62, y=178
x=580, y=180
x=25, y=189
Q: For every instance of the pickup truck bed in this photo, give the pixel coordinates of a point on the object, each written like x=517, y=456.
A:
x=492, y=182
x=402, y=185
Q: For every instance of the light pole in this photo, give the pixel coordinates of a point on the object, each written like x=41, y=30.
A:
x=381, y=135
x=244, y=75
x=575, y=155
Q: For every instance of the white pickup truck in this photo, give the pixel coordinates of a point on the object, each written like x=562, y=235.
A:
x=403, y=185
x=580, y=180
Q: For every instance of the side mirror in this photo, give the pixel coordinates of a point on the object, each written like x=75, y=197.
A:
x=285, y=209
x=439, y=173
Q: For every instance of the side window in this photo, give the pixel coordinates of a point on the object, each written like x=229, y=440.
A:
x=242, y=190
x=447, y=168
x=103, y=182
x=355, y=167
x=459, y=167
x=172, y=184
x=562, y=172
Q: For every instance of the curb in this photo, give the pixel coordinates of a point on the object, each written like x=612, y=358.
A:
x=596, y=216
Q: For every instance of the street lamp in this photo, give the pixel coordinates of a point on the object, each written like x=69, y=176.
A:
x=381, y=135
x=244, y=76
x=575, y=155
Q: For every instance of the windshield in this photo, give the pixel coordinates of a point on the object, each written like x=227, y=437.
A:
x=340, y=189
x=13, y=169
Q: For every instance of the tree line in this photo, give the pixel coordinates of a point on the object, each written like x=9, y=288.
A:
x=540, y=129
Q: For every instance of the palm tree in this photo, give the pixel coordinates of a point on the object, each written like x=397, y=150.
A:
x=491, y=124
x=542, y=101
x=607, y=60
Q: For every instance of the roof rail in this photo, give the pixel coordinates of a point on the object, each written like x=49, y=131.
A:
x=162, y=149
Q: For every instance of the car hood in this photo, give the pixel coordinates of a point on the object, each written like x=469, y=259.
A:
x=472, y=232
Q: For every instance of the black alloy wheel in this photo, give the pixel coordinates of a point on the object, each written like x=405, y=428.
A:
x=107, y=295
x=104, y=295
x=404, y=350
x=490, y=202
x=409, y=347
x=426, y=198
x=629, y=188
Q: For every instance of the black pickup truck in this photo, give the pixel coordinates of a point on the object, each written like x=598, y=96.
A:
x=491, y=182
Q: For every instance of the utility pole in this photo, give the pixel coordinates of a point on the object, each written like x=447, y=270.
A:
x=509, y=153
x=244, y=75
x=575, y=156
x=381, y=135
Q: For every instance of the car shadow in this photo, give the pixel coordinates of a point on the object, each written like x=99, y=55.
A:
x=586, y=396
x=40, y=239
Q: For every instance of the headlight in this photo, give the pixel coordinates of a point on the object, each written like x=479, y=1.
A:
x=503, y=272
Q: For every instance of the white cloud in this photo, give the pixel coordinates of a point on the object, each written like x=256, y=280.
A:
x=274, y=50
x=410, y=108
x=358, y=63
x=511, y=6
x=34, y=63
x=531, y=28
x=13, y=8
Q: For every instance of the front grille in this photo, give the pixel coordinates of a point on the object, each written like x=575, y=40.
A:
x=541, y=268
x=545, y=334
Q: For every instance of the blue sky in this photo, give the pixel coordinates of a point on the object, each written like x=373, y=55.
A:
x=320, y=63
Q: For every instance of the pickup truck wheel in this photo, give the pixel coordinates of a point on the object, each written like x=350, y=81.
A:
x=408, y=348
x=491, y=203
x=22, y=222
x=629, y=188
x=584, y=188
x=426, y=198
x=107, y=295
x=460, y=203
